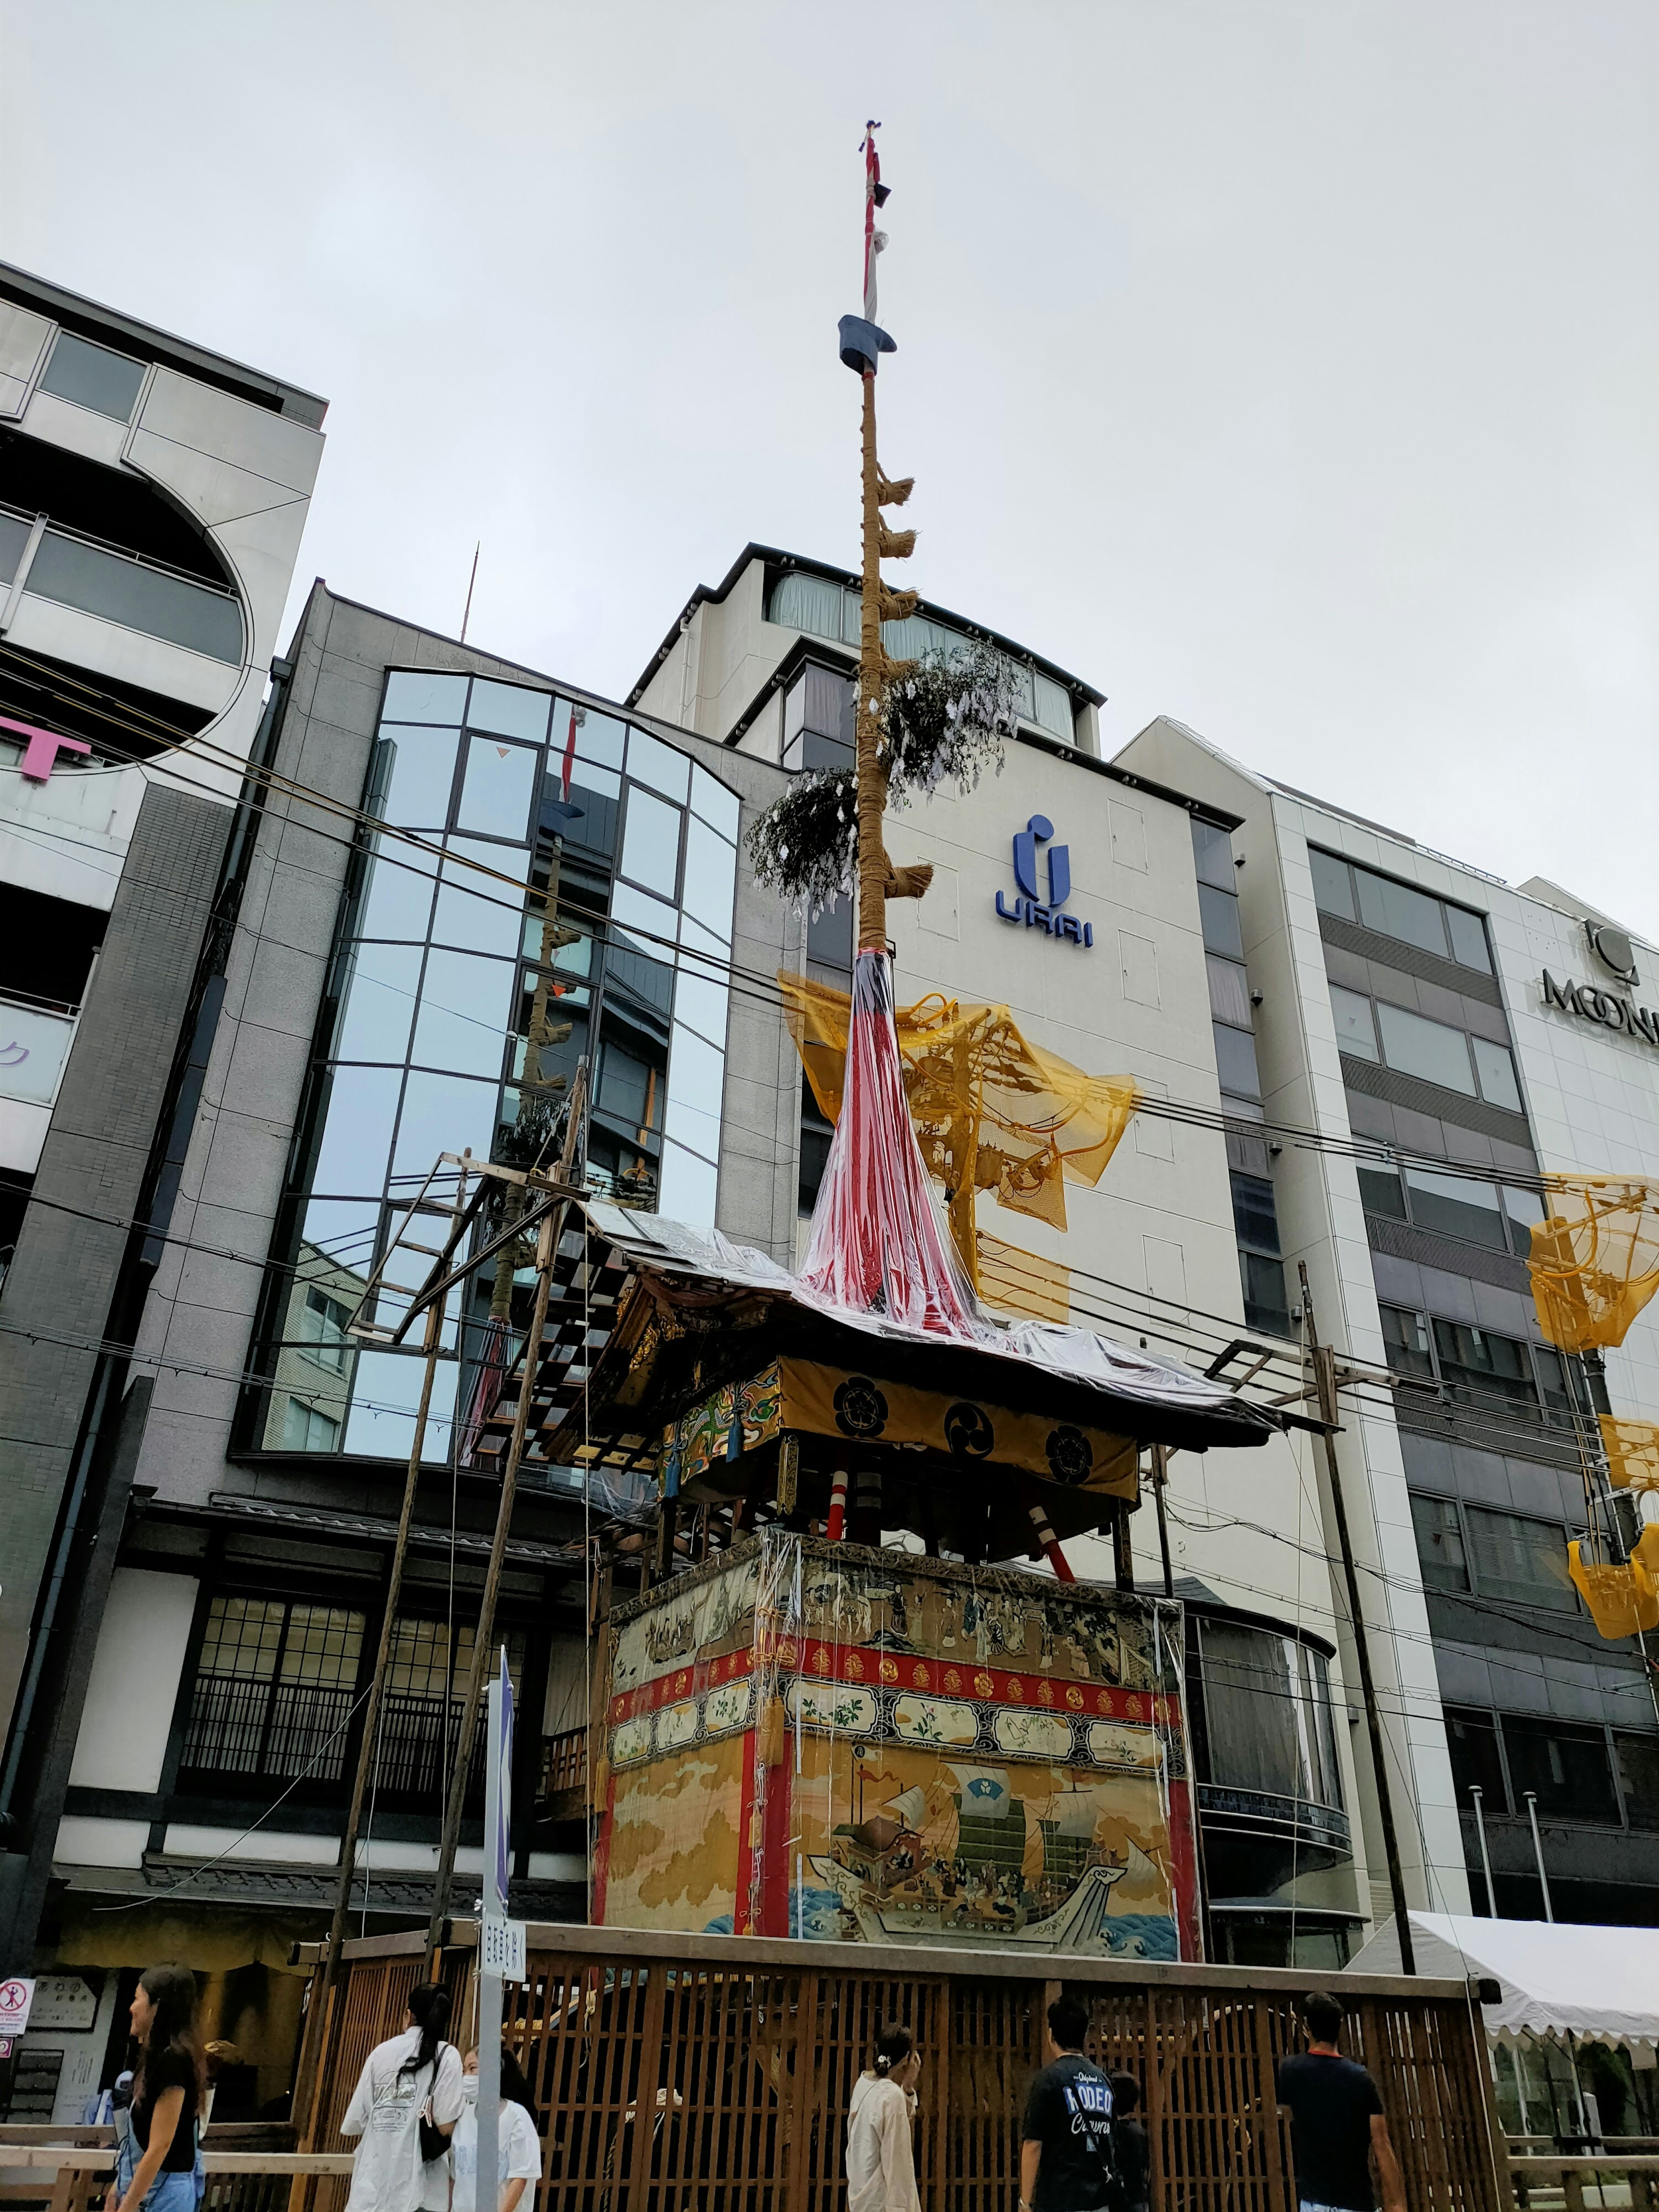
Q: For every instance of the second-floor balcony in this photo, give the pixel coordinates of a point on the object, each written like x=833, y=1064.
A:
x=42, y=560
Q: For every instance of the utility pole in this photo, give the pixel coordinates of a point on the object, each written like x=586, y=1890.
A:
x=1324, y=1369
x=1160, y=1476
x=547, y=1244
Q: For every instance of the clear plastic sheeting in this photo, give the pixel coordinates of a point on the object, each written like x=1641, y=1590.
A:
x=991, y=1111
x=877, y=1244
x=1595, y=1259
x=650, y=1243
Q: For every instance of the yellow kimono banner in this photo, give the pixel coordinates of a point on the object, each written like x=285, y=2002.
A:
x=1633, y=1450
x=826, y=1401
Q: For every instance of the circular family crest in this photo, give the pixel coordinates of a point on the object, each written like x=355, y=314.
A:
x=1071, y=1459
x=860, y=1409
x=968, y=1431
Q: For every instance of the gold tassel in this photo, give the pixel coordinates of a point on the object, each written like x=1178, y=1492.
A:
x=788, y=1474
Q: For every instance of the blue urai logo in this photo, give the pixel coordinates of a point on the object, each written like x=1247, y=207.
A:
x=1028, y=906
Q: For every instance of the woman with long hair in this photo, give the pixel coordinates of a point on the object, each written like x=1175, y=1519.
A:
x=881, y=2163
x=519, y=2145
x=408, y=2079
x=156, y=2151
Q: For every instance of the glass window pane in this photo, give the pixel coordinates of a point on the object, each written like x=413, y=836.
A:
x=1564, y=1764
x=385, y=1399
x=651, y=842
x=396, y=899
x=1439, y=1543
x=474, y=910
x=808, y=603
x=1636, y=1755
x=1218, y=912
x=497, y=787
x=1554, y=1382
x=1235, y=1061
x=1399, y=911
x=1252, y=1701
x=1266, y=1306
x=342, y=1231
x=417, y=775
x=1355, y=1032
x=1457, y=1206
x=1484, y=1366
x=1332, y=884
x=378, y=1003
x=830, y=934
x=1524, y=1208
x=651, y=916
x=718, y=806
x=651, y=761
x=1468, y=938
x=414, y=695
x=14, y=537
x=92, y=376
x=1495, y=1070
x=1380, y=1193
x=36, y=1045
x=1430, y=1049
x=1051, y=706
x=465, y=1003
x=711, y=868
x=1406, y=1341
x=322, y=1644
x=1229, y=991
x=690, y=1188
x=123, y=590
x=442, y=1114
x=1472, y=1739
x=598, y=738
x=508, y=709
x=1255, y=1217
x=361, y=1104
x=597, y=793
x=697, y=1077
x=1212, y=856
x=714, y=951
x=243, y=1637
x=703, y=1004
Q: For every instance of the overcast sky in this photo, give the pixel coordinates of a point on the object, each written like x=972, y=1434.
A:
x=1291, y=369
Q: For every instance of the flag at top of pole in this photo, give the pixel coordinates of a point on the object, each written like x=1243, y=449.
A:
x=862, y=340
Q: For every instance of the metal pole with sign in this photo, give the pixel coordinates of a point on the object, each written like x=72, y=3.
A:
x=501, y=1941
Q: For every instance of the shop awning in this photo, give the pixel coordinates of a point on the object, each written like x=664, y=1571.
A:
x=1556, y=1978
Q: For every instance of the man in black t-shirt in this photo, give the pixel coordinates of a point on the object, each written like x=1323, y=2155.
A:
x=1066, y=2161
x=1336, y=2122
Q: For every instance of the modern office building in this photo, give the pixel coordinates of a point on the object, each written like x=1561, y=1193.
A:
x=1486, y=1033
x=152, y=498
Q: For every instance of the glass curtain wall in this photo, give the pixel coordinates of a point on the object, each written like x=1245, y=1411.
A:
x=576, y=899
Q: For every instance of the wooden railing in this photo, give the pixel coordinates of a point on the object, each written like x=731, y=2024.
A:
x=564, y=1762
x=73, y=2173
x=742, y=2055
x=1580, y=2185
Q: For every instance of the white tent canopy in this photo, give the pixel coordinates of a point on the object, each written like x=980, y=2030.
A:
x=1600, y=1984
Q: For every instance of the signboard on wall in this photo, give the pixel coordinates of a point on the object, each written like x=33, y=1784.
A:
x=65, y=2002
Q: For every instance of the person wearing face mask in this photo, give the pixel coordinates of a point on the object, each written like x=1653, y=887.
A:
x=454, y=2183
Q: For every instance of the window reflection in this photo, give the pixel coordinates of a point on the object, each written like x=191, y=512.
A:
x=442, y=1114
x=415, y=774
x=508, y=709
x=378, y=1003
x=385, y=1402
x=651, y=842
x=690, y=1188
x=497, y=791
x=414, y=695
x=654, y=917
x=717, y=805
x=359, y=1107
x=702, y=1004
x=465, y=1004
x=696, y=1075
x=711, y=873
x=658, y=765
x=397, y=895
x=478, y=911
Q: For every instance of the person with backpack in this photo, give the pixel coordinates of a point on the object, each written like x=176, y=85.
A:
x=1067, y=2160
x=406, y=2103
x=1133, y=2151
x=1337, y=2124
x=157, y=2161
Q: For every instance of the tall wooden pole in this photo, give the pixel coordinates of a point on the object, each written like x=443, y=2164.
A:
x=1324, y=1368
x=547, y=1244
x=872, y=691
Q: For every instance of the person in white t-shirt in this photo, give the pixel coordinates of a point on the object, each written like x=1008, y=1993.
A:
x=881, y=2164
x=411, y=2074
x=518, y=2143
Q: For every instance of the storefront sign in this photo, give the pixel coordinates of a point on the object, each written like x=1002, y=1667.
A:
x=40, y=754
x=1036, y=912
x=1592, y=1004
x=65, y=2002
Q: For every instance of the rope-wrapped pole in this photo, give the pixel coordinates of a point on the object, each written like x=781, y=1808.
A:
x=871, y=775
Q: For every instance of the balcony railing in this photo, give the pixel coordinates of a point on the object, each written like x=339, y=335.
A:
x=242, y=1725
x=564, y=1763
x=74, y=570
